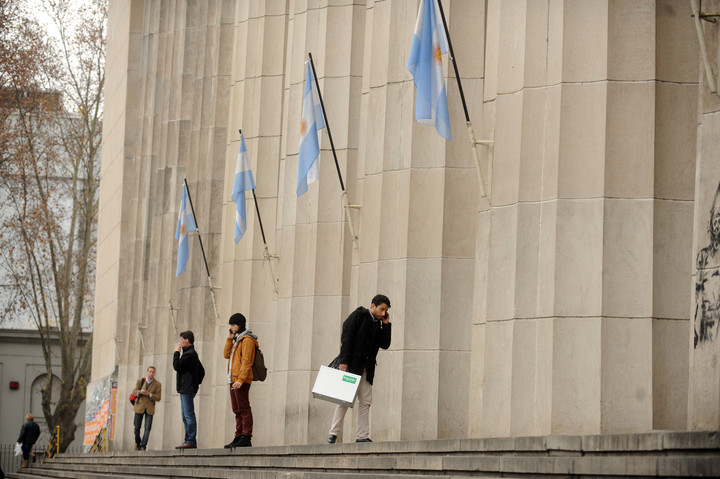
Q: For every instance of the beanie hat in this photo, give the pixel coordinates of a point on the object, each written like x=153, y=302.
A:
x=238, y=319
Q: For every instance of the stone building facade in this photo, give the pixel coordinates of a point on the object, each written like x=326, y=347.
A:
x=564, y=304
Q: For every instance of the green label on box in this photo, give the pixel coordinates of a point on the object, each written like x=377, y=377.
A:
x=349, y=379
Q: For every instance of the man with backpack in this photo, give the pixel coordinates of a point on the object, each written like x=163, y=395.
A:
x=190, y=373
x=240, y=347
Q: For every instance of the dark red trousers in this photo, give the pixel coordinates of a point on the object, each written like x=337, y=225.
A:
x=240, y=400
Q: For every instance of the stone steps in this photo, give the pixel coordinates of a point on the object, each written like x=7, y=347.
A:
x=657, y=454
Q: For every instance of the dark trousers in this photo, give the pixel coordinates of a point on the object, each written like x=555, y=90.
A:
x=240, y=401
x=26, y=448
x=148, y=425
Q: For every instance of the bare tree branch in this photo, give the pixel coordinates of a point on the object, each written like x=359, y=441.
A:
x=51, y=107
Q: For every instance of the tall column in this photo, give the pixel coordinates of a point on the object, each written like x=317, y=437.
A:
x=676, y=136
x=564, y=337
x=115, y=224
x=704, y=400
x=315, y=245
x=249, y=280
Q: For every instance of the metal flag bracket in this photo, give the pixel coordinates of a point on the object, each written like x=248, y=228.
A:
x=269, y=257
x=485, y=186
x=698, y=15
x=346, y=208
x=172, y=316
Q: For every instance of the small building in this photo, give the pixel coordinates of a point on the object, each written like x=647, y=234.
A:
x=22, y=374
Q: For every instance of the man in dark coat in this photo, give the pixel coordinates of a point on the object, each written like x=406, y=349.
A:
x=188, y=378
x=29, y=434
x=364, y=332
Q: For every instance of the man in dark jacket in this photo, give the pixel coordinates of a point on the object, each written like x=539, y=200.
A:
x=188, y=378
x=29, y=434
x=364, y=332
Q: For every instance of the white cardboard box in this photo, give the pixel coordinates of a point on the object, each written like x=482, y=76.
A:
x=336, y=386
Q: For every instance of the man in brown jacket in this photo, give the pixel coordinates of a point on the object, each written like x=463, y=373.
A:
x=240, y=351
x=148, y=391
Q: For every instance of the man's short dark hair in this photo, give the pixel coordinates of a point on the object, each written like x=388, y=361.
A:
x=189, y=336
x=151, y=367
x=380, y=299
x=239, y=320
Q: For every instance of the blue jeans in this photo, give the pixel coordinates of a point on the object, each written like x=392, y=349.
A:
x=188, y=417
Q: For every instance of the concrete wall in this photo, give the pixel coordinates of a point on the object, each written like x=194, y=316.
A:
x=561, y=305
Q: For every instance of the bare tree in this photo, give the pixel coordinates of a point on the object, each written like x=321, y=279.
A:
x=52, y=106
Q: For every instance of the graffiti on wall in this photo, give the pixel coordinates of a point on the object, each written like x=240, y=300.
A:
x=707, y=283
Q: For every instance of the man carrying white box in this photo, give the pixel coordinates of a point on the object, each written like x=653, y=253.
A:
x=364, y=332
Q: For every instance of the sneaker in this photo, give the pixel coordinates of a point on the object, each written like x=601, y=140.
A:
x=244, y=442
x=367, y=439
x=331, y=439
x=232, y=443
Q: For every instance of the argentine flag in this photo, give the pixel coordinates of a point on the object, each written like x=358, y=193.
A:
x=243, y=181
x=185, y=224
x=425, y=64
x=312, y=121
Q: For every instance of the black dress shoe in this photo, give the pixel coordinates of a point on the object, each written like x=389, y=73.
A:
x=186, y=446
x=244, y=442
x=367, y=439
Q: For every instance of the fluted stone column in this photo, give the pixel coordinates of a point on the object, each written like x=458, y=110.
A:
x=248, y=279
x=315, y=250
x=112, y=345
x=704, y=400
x=564, y=340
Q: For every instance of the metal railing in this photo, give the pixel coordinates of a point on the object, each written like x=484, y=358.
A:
x=11, y=463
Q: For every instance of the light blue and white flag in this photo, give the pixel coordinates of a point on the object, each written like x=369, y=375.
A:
x=243, y=181
x=185, y=224
x=425, y=64
x=312, y=122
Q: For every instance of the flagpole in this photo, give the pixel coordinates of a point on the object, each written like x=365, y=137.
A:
x=327, y=123
x=202, y=249
x=346, y=202
x=471, y=133
x=266, y=251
